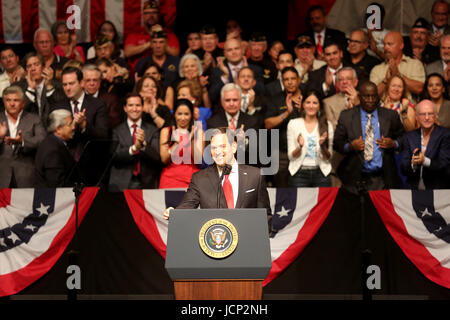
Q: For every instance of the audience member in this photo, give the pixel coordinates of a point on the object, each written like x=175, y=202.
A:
x=274, y=50
x=42, y=91
x=66, y=42
x=441, y=66
x=20, y=135
x=416, y=44
x=228, y=69
x=257, y=56
x=359, y=59
x=320, y=33
x=168, y=63
x=112, y=97
x=138, y=45
x=155, y=111
x=251, y=103
x=13, y=71
x=190, y=68
x=43, y=44
x=310, y=145
x=181, y=147
x=426, y=151
x=191, y=90
x=54, y=163
x=209, y=52
x=395, y=97
x=411, y=70
x=285, y=59
x=107, y=29
x=280, y=109
x=305, y=61
x=439, y=21
x=436, y=91
x=105, y=49
x=368, y=136
x=155, y=71
x=137, y=163
x=194, y=42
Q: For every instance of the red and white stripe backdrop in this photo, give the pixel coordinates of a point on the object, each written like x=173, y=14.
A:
x=19, y=19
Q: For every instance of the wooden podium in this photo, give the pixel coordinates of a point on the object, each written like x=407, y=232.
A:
x=216, y=289
x=203, y=274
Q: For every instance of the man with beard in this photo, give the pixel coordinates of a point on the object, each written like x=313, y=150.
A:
x=411, y=70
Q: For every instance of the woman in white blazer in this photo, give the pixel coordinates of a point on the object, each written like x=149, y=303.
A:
x=310, y=145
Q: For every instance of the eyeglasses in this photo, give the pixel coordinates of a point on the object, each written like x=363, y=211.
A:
x=426, y=114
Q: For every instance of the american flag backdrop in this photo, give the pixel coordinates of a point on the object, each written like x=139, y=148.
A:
x=20, y=18
x=297, y=215
x=36, y=226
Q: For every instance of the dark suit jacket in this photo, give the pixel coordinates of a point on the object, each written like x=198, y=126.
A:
x=97, y=121
x=122, y=170
x=47, y=103
x=53, y=163
x=333, y=35
x=349, y=129
x=20, y=159
x=438, y=151
x=204, y=186
x=216, y=82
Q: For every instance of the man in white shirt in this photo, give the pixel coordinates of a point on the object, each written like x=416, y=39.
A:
x=20, y=135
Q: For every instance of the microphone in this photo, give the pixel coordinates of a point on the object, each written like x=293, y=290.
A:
x=225, y=171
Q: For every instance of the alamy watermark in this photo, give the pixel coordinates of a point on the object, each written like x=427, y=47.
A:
x=74, y=20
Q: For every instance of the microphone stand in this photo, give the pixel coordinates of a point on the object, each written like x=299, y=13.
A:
x=73, y=254
x=366, y=253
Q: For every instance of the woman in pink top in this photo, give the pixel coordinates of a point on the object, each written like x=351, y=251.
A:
x=66, y=42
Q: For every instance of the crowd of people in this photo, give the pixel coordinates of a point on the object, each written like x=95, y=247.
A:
x=369, y=110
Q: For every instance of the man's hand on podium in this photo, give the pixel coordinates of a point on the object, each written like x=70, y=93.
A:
x=167, y=213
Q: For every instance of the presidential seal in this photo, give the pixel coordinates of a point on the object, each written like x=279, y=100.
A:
x=218, y=238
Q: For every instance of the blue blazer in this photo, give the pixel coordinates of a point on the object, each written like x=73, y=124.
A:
x=436, y=176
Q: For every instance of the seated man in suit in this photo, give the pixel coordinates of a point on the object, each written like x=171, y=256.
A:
x=242, y=187
x=54, y=163
x=137, y=163
x=20, y=134
x=368, y=135
x=426, y=151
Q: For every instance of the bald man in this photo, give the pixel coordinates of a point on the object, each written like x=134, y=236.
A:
x=228, y=69
x=426, y=151
x=397, y=63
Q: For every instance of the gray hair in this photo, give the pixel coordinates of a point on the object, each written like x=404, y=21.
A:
x=355, y=75
x=57, y=118
x=91, y=67
x=41, y=29
x=229, y=87
x=14, y=90
x=186, y=57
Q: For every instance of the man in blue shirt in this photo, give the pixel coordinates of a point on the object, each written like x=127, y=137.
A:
x=368, y=136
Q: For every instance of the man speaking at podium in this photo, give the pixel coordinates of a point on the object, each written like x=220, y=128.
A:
x=225, y=184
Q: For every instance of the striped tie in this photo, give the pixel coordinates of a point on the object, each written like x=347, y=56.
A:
x=368, y=143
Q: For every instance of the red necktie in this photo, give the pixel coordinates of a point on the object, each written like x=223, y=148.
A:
x=228, y=191
x=319, y=44
x=75, y=106
x=137, y=163
x=232, y=125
